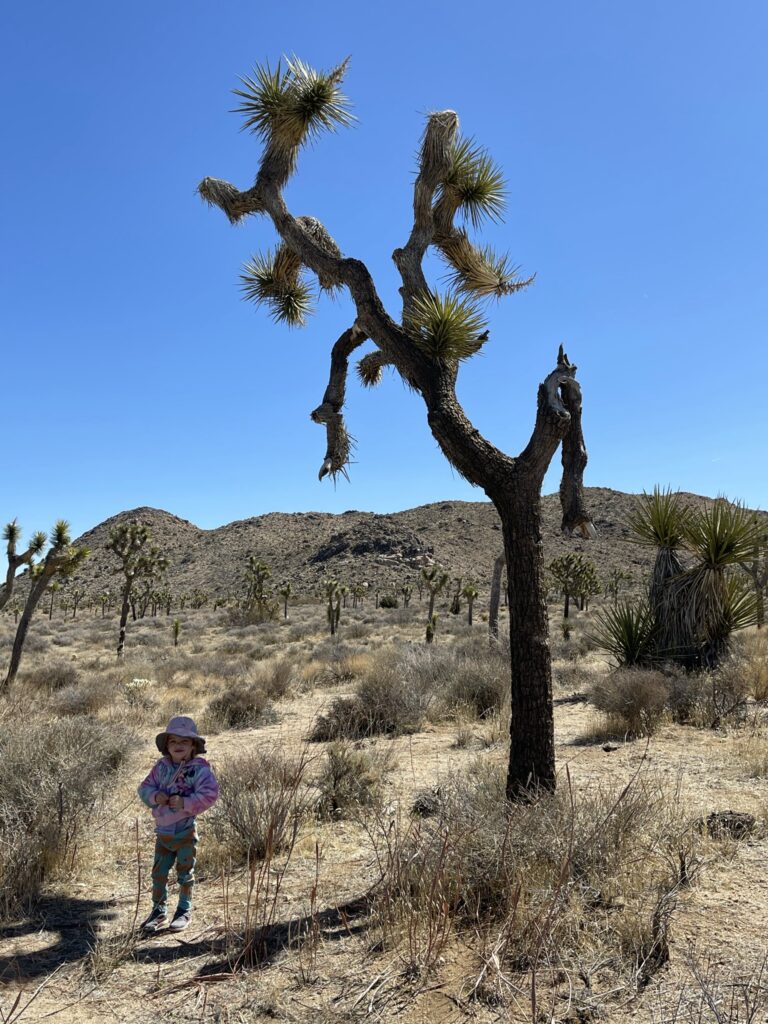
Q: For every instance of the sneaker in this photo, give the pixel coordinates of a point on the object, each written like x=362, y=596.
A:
x=157, y=919
x=180, y=920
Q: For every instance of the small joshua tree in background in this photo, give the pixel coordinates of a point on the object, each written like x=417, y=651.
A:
x=285, y=593
x=435, y=580
x=11, y=534
x=435, y=332
x=333, y=608
x=567, y=571
x=260, y=604
x=139, y=559
x=176, y=631
x=62, y=559
x=470, y=594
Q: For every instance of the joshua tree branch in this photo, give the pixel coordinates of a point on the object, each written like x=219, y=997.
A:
x=435, y=161
x=329, y=411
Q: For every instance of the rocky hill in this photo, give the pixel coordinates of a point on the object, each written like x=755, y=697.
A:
x=385, y=550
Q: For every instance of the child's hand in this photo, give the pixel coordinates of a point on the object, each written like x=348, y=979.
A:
x=161, y=799
x=176, y=802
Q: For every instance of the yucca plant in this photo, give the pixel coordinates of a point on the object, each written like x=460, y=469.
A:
x=627, y=632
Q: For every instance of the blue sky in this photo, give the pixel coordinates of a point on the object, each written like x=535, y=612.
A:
x=633, y=140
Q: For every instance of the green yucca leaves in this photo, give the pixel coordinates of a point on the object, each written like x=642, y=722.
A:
x=446, y=327
x=274, y=279
x=626, y=631
x=660, y=518
x=60, y=534
x=723, y=534
x=474, y=183
x=480, y=271
x=291, y=106
x=11, y=533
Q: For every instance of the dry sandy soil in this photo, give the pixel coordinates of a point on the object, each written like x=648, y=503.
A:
x=717, y=932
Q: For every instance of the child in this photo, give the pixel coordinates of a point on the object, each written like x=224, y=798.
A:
x=180, y=786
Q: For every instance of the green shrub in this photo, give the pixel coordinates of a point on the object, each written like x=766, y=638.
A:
x=52, y=677
x=626, y=631
x=388, y=601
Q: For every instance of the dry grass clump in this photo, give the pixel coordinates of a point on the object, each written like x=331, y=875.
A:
x=263, y=800
x=54, y=774
x=540, y=883
x=634, y=700
x=239, y=706
x=351, y=778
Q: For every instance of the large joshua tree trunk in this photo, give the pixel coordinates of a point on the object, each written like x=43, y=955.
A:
x=435, y=334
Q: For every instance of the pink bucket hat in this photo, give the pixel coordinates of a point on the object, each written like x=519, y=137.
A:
x=180, y=726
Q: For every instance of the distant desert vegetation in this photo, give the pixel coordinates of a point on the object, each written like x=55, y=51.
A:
x=362, y=862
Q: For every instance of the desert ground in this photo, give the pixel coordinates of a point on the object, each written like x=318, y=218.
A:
x=363, y=908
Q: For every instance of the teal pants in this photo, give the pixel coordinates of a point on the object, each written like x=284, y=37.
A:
x=179, y=849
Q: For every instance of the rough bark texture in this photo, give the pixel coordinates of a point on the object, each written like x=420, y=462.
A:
x=512, y=484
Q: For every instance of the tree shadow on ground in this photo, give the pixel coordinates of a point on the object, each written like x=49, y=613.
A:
x=75, y=922
x=264, y=944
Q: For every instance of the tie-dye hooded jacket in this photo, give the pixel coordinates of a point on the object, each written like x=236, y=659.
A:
x=192, y=780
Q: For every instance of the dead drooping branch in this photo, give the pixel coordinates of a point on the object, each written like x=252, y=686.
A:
x=329, y=411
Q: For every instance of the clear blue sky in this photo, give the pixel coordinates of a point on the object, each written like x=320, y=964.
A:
x=633, y=136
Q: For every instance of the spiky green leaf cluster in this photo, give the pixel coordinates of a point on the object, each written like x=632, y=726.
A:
x=290, y=298
x=446, y=327
x=723, y=534
x=289, y=106
x=474, y=184
x=626, y=631
x=660, y=518
x=481, y=272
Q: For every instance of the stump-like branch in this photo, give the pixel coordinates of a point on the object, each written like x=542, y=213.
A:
x=329, y=411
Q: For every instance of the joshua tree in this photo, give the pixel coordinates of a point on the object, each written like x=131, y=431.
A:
x=588, y=584
x=77, y=597
x=406, y=590
x=431, y=629
x=470, y=593
x=456, y=599
x=11, y=534
x=567, y=571
x=435, y=580
x=61, y=559
x=139, y=560
x=756, y=567
x=259, y=602
x=54, y=588
x=493, y=604
x=333, y=610
x=616, y=577
x=285, y=593
x=289, y=107
x=176, y=631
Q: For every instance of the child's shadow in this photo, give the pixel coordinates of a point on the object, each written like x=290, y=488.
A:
x=75, y=922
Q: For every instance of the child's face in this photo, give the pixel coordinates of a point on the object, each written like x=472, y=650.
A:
x=180, y=748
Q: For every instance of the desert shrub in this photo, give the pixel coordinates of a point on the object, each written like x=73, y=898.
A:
x=240, y=706
x=53, y=776
x=479, y=686
x=633, y=699
x=388, y=601
x=386, y=702
x=566, y=873
x=86, y=698
x=263, y=800
x=357, y=630
x=690, y=697
x=350, y=778
x=51, y=677
x=275, y=677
